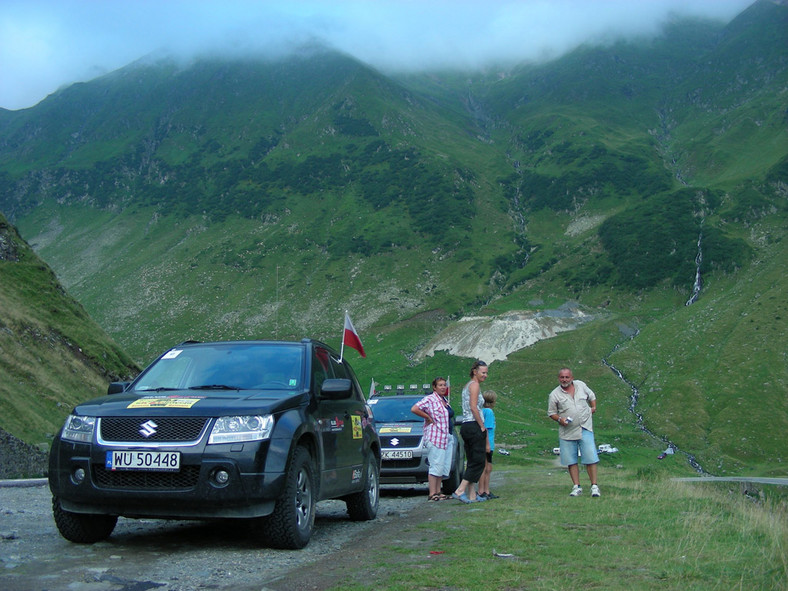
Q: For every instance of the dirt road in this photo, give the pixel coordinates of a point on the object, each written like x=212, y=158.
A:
x=173, y=555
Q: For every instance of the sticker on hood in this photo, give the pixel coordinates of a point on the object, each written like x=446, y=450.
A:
x=164, y=402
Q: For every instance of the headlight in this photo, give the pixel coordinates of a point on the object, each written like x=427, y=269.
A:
x=79, y=429
x=239, y=429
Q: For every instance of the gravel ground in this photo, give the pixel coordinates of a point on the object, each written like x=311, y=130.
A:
x=186, y=555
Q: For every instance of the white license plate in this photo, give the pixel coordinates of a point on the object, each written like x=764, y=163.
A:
x=397, y=454
x=143, y=460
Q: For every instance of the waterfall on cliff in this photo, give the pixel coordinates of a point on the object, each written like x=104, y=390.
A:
x=698, y=281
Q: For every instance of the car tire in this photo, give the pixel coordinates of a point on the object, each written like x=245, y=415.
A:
x=452, y=483
x=82, y=528
x=293, y=518
x=363, y=505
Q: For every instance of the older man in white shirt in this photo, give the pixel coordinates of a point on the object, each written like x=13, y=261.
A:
x=572, y=404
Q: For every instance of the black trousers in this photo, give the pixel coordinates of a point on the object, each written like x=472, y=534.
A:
x=475, y=441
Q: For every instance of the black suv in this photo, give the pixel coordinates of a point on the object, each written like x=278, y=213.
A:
x=259, y=430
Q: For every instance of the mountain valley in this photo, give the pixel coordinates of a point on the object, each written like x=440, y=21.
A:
x=262, y=199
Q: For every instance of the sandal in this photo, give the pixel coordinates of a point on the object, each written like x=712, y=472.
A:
x=442, y=497
x=435, y=497
x=463, y=498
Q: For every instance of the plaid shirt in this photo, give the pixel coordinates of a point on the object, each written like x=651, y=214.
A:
x=436, y=432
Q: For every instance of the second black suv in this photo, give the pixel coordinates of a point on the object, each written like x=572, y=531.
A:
x=259, y=430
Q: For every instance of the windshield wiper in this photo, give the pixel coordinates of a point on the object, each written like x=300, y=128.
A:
x=157, y=389
x=214, y=387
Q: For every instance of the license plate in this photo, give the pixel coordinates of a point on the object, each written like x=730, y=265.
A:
x=144, y=460
x=398, y=454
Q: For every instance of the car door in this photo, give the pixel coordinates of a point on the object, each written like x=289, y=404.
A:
x=341, y=428
x=330, y=424
x=350, y=443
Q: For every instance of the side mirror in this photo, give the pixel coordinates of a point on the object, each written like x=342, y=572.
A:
x=117, y=387
x=336, y=389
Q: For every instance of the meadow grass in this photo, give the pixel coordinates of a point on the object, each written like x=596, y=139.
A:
x=645, y=532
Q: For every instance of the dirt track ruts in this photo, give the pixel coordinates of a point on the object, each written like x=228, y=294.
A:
x=183, y=555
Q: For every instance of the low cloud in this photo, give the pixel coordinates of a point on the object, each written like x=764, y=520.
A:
x=45, y=44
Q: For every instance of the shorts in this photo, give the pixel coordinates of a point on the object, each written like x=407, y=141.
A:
x=584, y=447
x=439, y=460
x=489, y=457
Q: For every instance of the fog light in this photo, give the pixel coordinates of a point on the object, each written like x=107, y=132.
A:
x=78, y=475
x=221, y=477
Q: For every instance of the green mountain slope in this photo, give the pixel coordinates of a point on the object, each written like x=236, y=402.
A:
x=712, y=375
x=269, y=198
x=52, y=354
x=252, y=198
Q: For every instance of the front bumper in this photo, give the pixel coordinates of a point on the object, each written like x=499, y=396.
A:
x=193, y=492
x=405, y=470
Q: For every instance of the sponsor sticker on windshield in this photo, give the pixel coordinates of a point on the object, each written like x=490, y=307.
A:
x=172, y=354
x=164, y=402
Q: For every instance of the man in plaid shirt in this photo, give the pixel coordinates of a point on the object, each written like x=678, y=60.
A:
x=434, y=409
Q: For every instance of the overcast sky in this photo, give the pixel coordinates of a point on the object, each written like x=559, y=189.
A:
x=45, y=44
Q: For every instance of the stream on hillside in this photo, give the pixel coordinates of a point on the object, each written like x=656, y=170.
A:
x=633, y=401
x=696, y=287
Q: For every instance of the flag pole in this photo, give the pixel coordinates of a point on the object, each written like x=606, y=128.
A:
x=342, y=348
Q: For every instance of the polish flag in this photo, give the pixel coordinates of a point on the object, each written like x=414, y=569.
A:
x=350, y=337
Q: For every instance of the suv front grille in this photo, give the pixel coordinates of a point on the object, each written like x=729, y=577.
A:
x=187, y=477
x=167, y=429
x=404, y=441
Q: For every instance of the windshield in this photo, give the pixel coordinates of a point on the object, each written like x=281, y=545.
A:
x=226, y=366
x=394, y=409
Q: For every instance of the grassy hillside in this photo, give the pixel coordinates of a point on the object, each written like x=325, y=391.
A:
x=257, y=199
x=712, y=375
x=52, y=354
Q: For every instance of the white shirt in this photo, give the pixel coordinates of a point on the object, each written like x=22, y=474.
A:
x=563, y=404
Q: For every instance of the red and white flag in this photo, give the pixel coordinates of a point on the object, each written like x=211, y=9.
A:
x=350, y=338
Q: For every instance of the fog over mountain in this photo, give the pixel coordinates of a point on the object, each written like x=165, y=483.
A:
x=46, y=44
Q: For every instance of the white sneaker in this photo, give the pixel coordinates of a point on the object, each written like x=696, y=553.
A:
x=577, y=490
x=595, y=491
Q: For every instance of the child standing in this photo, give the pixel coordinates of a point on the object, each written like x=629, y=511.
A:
x=489, y=422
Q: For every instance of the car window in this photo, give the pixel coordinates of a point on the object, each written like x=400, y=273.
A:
x=358, y=392
x=343, y=370
x=393, y=409
x=339, y=369
x=169, y=375
x=243, y=366
x=321, y=368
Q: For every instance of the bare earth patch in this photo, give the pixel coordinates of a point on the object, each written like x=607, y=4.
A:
x=583, y=224
x=369, y=557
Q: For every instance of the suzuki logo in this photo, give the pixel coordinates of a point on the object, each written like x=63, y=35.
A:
x=148, y=428
x=394, y=441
